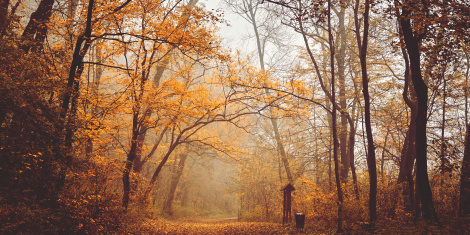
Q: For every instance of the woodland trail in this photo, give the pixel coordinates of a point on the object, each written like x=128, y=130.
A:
x=213, y=226
x=230, y=226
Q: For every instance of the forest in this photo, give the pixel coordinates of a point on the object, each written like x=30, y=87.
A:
x=150, y=117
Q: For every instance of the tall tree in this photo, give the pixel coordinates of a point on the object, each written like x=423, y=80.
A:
x=155, y=41
x=161, y=67
x=371, y=159
x=4, y=14
x=250, y=11
x=412, y=39
x=35, y=32
x=408, y=153
x=333, y=114
x=176, y=175
x=340, y=60
x=70, y=98
x=464, y=206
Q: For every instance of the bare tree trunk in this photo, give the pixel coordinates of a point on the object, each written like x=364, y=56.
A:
x=371, y=159
x=129, y=162
x=343, y=134
x=260, y=47
x=35, y=32
x=333, y=114
x=408, y=154
x=382, y=162
x=4, y=15
x=330, y=148
x=76, y=68
x=442, y=155
x=412, y=46
x=352, y=142
x=158, y=170
x=407, y=160
x=351, y=160
x=95, y=85
x=331, y=95
x=73, y=85
x=464, y=207
x=174, y=183
x=467, y=74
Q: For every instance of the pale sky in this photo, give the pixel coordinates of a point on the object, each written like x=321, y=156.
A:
x=239, y=29
x=239, y=35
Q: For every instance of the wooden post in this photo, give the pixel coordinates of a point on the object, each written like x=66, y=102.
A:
x=287, y=205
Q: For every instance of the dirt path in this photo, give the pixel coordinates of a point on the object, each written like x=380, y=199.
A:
x=212, y=226
x=205, y=220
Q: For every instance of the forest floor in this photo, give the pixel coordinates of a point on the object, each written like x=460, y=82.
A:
x=232, y=226
x=214, y=226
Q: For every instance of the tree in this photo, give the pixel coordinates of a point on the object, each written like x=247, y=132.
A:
x=408, y=153
x=154, y=40
x=265, y=30
x=159, y=70
x=4, y=15
x=195, y=109
x=177, y=173
x=371, y=159
x=411, y=39
x=301, y=12
x=464, y=205
x=35, y=32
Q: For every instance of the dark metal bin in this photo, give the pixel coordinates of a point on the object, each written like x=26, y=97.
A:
x=299, y=220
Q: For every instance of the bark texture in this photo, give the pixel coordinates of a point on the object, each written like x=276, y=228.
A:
x=421, y=89
x=3, y=17
x=464, y=207
x=371, y=158
x=35, y=32
x=177, y=173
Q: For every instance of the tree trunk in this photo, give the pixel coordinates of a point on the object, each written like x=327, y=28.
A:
x=129, y=161
x=333, y=114
x=442, y=155
x=464, y=207
x=352, y=135
x=343, y=134
x=382, y=162
x=76, y=69
x=4, y=15
x=466, y=90
x=178, y=172
x=158, y=170
x=98, y=71
x=72, y=89
x=72, y=8
x=139, y=162
x=412, y=46
x=35, y=32
x=371, y=159
x=407, y=161
x=408, y=153
x=161, y=67
x=274, y=123
x=330, y=146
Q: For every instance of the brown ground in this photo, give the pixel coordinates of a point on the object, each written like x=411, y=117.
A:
x=213, y=226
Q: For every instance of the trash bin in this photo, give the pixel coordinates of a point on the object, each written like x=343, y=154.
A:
x=299, y=220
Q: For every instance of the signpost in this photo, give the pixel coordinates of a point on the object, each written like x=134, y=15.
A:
x=286, y=212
